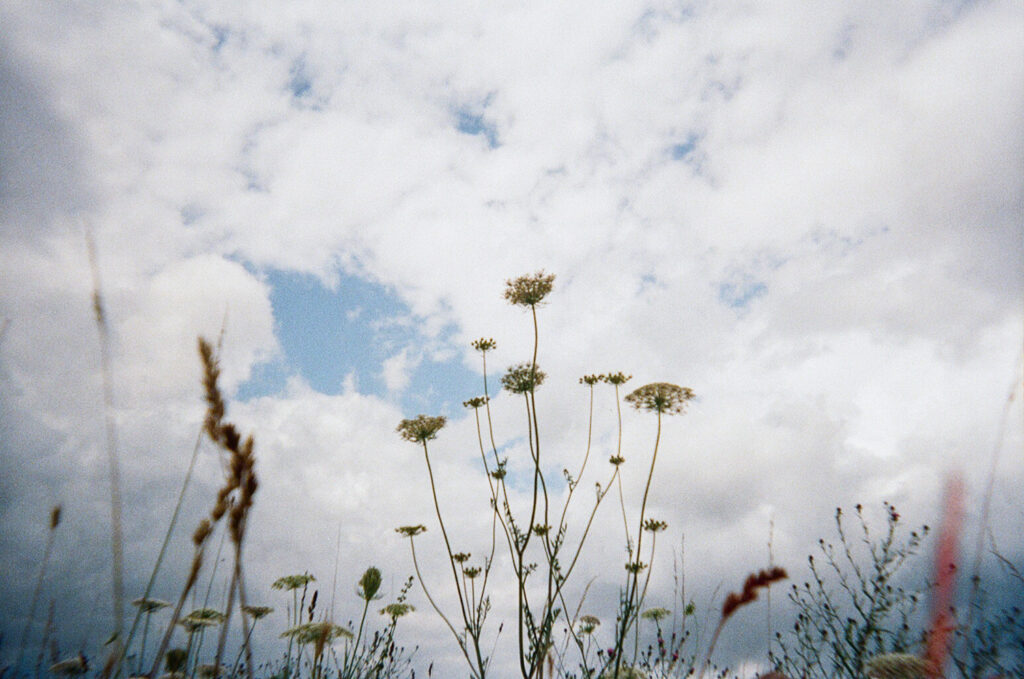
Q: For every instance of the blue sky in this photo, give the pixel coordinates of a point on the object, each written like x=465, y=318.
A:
x=330, y=334
x=810, y=215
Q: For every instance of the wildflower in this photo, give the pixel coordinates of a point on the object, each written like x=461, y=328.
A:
x=661, y=397
x=484, y=344
x=617, y=378
x=591, y=380
x=471, y=572
x=896, y=666
x=523, y=378
x=290, y=582
x=207, y=614
x=72, y=666
x=369, y=584
x=654, y=525
x=411, y=531
x=192, y=625
x=258, y=612
x=423, y=428
x=316, y=632
x=461, y=557
x=655, y=614
x=529, y=290
x=635, y=566
x=397, y=610
x=616, y=460
x=149, y=605
x=475, y=402
x=541, y=529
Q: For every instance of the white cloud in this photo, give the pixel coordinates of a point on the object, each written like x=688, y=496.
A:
x=833, y=263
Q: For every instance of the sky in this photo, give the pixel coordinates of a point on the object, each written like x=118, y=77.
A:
x=811, y=215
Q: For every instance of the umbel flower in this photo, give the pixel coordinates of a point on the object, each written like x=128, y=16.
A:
x=523, y=378
x=397, y=610
x=656, y=614
x=484, y=344
x=655, y=526
x=411, y=531
x=149, y=605
x=422, y=428
x=258, y=612
x=316, y=632
x=529, y=290
x=660, y=397
x=290, y=582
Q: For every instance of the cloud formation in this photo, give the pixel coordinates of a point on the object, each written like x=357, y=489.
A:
x=811, y=216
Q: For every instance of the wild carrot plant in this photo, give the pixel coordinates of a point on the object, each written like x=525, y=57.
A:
x=542, y=548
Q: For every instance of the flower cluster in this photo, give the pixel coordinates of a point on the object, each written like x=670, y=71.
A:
x=523, y=378
x=411, y=531
x=655, y=526
x=475, y=402
x=484, y=344
x=529, y=290
x=422, y=428
x=660, y=397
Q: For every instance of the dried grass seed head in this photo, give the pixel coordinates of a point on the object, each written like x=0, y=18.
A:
x=529, y=290
x=55, y=517
x=422, y=428
x=661, y=397
x=523, y=378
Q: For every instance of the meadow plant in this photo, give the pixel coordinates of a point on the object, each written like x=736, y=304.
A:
x=542, y=548
x=851, y=611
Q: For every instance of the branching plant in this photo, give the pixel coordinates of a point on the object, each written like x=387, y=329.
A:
x=542, y=548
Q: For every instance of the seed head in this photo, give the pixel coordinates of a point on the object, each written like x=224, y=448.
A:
x=523, y=378
x=461, y=557
x=258, y=612
x=591, y=380
x=660, y=397
x=149, y=605
x=411, y=531
x=484, y=344
x=635, y=566
x=369, y=584
x=422, y=428
x=654, y=525
x=290, y=582
x=617, y=378
x=471, y=572
x=316, y=633
x=616, y=460
x=655, y=614
x=397, y=610
x=55, y=517
x=475, y=402
x=529, y=290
